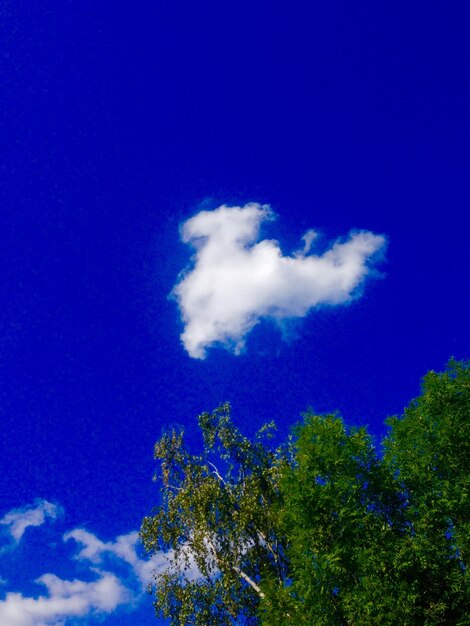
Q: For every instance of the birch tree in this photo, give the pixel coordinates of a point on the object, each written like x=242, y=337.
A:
x=217, y=522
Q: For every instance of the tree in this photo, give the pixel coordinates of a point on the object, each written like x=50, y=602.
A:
x=380, y=538
x=341, y=517
x=217, y=523
x=327, y=530
x=428, y=451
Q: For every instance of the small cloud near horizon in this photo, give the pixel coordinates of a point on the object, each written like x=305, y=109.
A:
x=236, y=280
x=77, y=600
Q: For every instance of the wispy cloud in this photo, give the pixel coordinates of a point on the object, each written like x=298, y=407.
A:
x=125, y=548
x=236, y=280
x=115, y=575
x=18, y=520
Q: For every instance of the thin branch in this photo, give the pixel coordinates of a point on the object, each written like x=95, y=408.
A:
x=216, y=472
x=174, y=487
x=265, y=542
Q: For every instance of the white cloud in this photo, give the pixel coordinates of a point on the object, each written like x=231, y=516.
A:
x=18, y=520
x=237, y=280
x=107, y=583
x=64, y=599
x=124, y=548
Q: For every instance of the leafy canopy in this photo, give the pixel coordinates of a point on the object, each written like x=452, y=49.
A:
x=325, y=530
x=217, y=521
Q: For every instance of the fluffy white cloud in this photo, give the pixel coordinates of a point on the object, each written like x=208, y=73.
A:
x=18, y=520
x=64, y=599
x=236, y=280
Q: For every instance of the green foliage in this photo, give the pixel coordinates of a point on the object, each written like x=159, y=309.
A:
x=380, y=539
x=428, y=451
x=217, y=523
x=326, y=531
x=340, y=519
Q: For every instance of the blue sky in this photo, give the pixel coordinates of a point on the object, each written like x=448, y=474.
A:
x=131, y=301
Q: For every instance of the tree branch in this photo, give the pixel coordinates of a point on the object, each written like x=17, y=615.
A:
x=249, y=580
x=236, y=569
x=216, y=472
